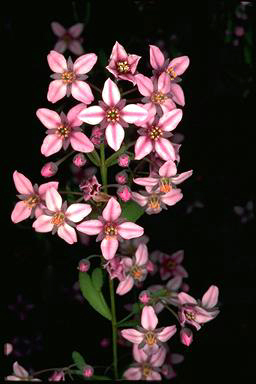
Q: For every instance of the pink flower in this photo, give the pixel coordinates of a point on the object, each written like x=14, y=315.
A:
x=197, y=312
x=146, y=367
x=144, y=297
x=68, y=77
x=88, y=371
x=58, y=218
x=84, y=265
x=149, y=337
x=239, y=31
x=123, y=65
x=169, y=265
x=135, y=270
x=113, y=114
x=63, y=130
x=186, y=336
x=97, y=136
x=32, y=197
x=115, y=268
x=68, y=38
x=20, y=374
x=79, y=160
x=110, y=229
x=128, y=247
x=57, y=376
x=121, y=177
x=169, y=293
x=124, y=193
x=123, y=160
x=90, y=187
x=154, y=136
x=166, y=177
x=49, y=169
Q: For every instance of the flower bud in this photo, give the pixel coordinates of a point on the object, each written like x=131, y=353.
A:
x=88, y=371
x=186, y=336
x=121, y=177
x=104, y=343
x=239, y=31
x=79, y=160
x=123, y=160
x=8, y=349
x=49, y=169
x=57, y=376
x=84, y=265
x=124, y=193
x=144, y=297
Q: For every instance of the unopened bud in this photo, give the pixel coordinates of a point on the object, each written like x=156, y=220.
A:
x=88, y=371
x=121, y=177
x=49, y=169
x=186, y=336
x=8, y=349
x=123, y=160
x=79, y=160
x=84, y=265
x=144, y=297
x=57, y=376
x=124, y=193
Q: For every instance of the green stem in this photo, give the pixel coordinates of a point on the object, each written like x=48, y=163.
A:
x=170, y=310
x=103, y=168
x=125, y=318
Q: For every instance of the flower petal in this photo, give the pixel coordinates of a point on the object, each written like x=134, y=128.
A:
x=164, y=149
x=164, y=83
x=44, y=187
x=90, y=227
x=174, y=284
x=60, y=46
x=18, y=370
x=177, y=94
x=156, y=57
x=92, y=115
x=132, y=335
x=85, y=63
x=114, y=135
x=168, y=169
x=67, y=233
x=129, y=230
x=138, y=354
x=172, y=197
x=112, y=210
x=20, y=212
x=76, y=47
x=58, y=29
x=51, y=145
x=43, y=224
x=184, y=298
x=182, y=177
x=109, y=248
x=169, y=121
x=146, y=181
x=76, y=30
x=125, y=285
x=22, y=183
x=140, y=199
x=132, y=112
x=50, y=119
x=73, y=113
x=167, y=333
x=56, y=91
x=141, y=254
x=118, y=52
x=154, y=376
x=81, y=91
x=53, y=200
x=158, y=358
x=110, y=94
x=149, y=319
x=133, y=373
x=76, y=212
x=210, y=298
x=144, y=84
x=57, y=62
x=179, y=64
x=143, y=147
x=80, y=142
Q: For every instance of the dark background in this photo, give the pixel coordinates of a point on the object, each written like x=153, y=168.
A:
x=219, y=145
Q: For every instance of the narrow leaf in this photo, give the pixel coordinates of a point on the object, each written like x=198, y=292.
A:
x=78, y=360
x=97, y=278
x=131, y=210
x=94, y=157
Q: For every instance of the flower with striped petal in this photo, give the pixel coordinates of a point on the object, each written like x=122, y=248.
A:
x=20, y=374
x=68, y=38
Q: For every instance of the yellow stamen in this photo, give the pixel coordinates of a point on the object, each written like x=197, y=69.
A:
x=68, y=77
x=58, y=219
x=32, y=201
x=112, y=115
x=171, y=73
x=63, y=131
x=155, y=133
x=123, y=66
x=150, y=338
x=158, y=97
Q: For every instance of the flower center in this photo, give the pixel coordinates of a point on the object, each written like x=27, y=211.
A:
x=158, y=97
x=110, y=230
x=136, y=272
x=67, y=38
x=155, y=133
x=165, y=185
x=150, y=338
x=63, y=131
x=32, y=201
x=154, y=202
x=58, y=219
x=190, y=315
x=112, y=115
x=171, y=73
x=123, y=66
x=68, y=77
x=146, y=370
x=171, y=264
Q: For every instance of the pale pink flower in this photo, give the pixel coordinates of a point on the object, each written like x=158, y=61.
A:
x=90, y=187
x=135, y=270
x=123, y=160
x=115, y=268
x=169, y=293
x=32, y=197
x=57, y=376
x=60, y=218
x=128, y=247
x=186, y=336
x=68, y=77
x=197, y=312
x=79, y=160
x=154, y=136
x=113, y=114
x=110, y=228
x=167, y=369
x=68, y=38
x=49, y=169
x=246, y=213
x=20, y=374
x=122, y=65
x=147, y=367
x=170, y=265
x=63, y=130
x=149, y=337
x=125, y=193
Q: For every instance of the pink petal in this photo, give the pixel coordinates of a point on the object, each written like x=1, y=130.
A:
x=76, y=30
x=210, y=298
x=149, y=319
x=43, y=224
x=57, y=62
x=118, y=52
x=140, y=199
x=156, y=57
x=50, y=119
x=58, y=29
x=127, y=262
x=178, y=256
x=129, y=230
x=73, y=113
x=56, y=91
x=80, y=142
x=81, y=91
x=76, y=212
x=109, y=248
x=112, y=210
x=114, y=135
x=92, y=115
x=169, y=121
x=172, y=197
x=184, y=298
x=154, y=376
x=67, y=233
x=53, y=200
x=177, y=94
x=164, y=83
x=158, y=358
x=51, y=144
x=90, y=227
x=168, y=169
x=22, y=183
x=125, y=285
x=168, y=106
x=60, y=46
x=144, y=84
x=132, y=374
x=164, y=149
x=141, y=255
x=133, y=61
x=167, y=333
x=18, y=370
x=174, y=284
x=146, y=181
x=132, y=112
x=20, y=212
x=143, y=147
x=84, y=63
x=76, y=47
x=110, y=94
x=138, y=354
x=132, y=335
x=179, y=64
x=182, y=177
x=44, y=187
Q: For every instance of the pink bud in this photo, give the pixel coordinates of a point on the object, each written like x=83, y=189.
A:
x=49, y=169
x=79, y=160
x=144, y=297
x=184, y=287
x=186, y=336
x=8, y=349
x=239, y=31
x=57, y=376
x=88, y=371
x=104, y=343
x=121, y=177
x=123, y=160
x=124, y=193
x=84, y=265
x=150, y=266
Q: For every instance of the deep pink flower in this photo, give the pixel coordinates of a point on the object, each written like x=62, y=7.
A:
x=88, y=371
x=63, y=130
x=121, y=177
x=123, y=65
x=84, y=265
x=68, y=38
x=170, y=265
x=79, y=160
x=90, y=187
x=49, y=169
x=60, y=218
x=124, y=160
x=32, y=197
x=149, y=337
x=20, y=374
x=68, y=77
x=154, y=136
x=169, y=293
x=113, y=114
x=115, y=268
x=125, y=193
x=186, y=336
x=57, y=376
x=197, y=312
x=144, y=297
x=110, y=228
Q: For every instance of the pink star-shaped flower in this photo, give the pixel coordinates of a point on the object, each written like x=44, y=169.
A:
x=68, y=38
x=110, y=228
x=63, y=130
x=20, y=374
x=113, y=114
x=68, y=77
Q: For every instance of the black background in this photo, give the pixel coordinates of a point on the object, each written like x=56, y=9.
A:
x=219, y=130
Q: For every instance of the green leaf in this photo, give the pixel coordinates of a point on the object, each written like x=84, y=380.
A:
x=100, y=378
x=94, y=297
x=129, y=324
x=247, y=55
x=136, y=308
x=78, y=360
x=131, y=210
x=111, y=160
x=97, y=278
x=94, y=157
